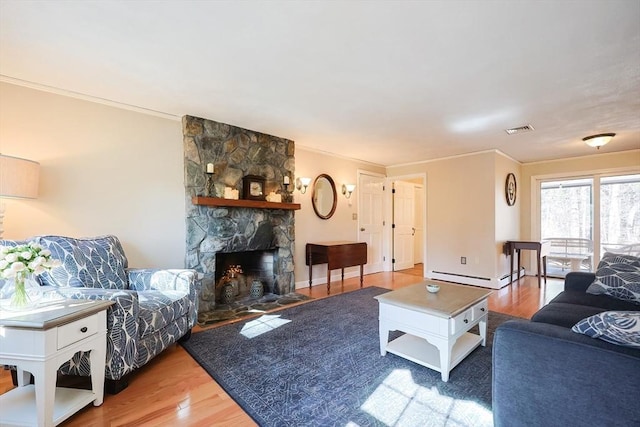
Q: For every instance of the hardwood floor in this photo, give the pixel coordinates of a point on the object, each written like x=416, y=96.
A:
x=173, y=389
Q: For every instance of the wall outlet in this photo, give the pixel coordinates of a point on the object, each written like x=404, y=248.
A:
x=354, y=216
x=463, y=260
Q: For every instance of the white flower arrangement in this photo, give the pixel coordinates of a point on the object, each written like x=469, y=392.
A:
x=31, y=258
x=21, y=261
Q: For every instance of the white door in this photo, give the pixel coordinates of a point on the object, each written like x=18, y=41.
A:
x=403, y=225
x=418, y=239
x=371, y=217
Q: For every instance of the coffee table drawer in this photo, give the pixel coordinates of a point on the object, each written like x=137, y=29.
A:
x=461, y=321
x=480, y=309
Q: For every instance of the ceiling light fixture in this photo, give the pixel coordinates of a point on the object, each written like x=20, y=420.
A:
x=598, y=140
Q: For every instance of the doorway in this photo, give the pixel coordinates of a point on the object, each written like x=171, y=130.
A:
x=407, y=234
x=588, y=216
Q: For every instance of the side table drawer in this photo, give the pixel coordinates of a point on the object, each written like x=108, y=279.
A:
x=76, y=331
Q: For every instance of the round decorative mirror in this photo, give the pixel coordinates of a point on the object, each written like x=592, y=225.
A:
x=324, y=197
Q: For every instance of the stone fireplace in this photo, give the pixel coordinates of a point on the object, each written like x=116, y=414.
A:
x=213, y=231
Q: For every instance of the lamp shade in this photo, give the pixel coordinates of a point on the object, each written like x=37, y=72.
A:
x=18, y=177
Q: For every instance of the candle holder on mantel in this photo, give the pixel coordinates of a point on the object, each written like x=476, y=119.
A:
x=286, y=196
x=210, y=188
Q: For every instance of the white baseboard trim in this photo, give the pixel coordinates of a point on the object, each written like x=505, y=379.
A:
x=484, y=282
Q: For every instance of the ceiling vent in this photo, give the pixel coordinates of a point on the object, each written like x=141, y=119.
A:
x=519, y=129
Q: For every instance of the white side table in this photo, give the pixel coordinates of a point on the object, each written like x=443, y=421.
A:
x=39, y=341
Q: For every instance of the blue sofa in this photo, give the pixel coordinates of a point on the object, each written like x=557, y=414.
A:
x=544, y=374
x=153, y=308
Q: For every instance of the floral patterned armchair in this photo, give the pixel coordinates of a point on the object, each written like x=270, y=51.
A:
x=153, y=308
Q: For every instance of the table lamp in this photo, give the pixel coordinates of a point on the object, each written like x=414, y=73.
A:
x=18, y=179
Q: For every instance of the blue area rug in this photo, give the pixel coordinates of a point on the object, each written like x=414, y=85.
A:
x=319, y=364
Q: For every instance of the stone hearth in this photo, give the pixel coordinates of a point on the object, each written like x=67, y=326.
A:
x=212, y=230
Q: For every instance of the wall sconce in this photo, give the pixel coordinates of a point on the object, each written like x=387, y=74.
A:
x=347, y=189
x=302, y=183
x=598, y=140
x=18, y=179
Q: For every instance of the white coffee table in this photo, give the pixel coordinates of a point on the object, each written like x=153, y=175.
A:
x=436, y=325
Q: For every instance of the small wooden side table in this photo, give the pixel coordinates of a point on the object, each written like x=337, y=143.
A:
x=337, y=254
x=39, y=341
x=542, y=249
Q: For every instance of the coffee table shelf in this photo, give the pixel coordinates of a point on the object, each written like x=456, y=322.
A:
x=419, y=351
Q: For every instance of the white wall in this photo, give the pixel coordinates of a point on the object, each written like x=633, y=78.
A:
x=460, y=213
x=507, y=218
x=341, y=226
x=104, y=170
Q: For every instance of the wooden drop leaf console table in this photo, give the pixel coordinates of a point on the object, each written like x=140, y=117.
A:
x=39, y=341
x=337, y=254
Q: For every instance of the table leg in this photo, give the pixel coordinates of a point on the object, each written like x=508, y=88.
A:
x=97, y=358
x=342, y=274
x=45, y=388
x=310, y=268
x=361, y=273
x=544, y=266
x=519, y=264
x=328, y=279
x=511, y=254
x=384, y=337
x=539, y=269
x=24, y=377
x=482, y=326
x=445, y=350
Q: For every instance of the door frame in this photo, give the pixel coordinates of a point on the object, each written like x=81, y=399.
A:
x=384, y=248
x=388, y=216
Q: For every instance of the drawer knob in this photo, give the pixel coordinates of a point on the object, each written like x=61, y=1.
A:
x=83, y=329
x=482, y=309
x=466, y=320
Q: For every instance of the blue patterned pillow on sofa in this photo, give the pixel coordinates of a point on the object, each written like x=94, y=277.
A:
x=97, y=262
x=617, y=327
x=612, y=258
x=618, y=276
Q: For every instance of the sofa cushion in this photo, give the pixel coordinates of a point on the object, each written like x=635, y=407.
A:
x=617, y=327
x=604, y=302
x=564, y=314
x=159, y=309
x=618, y=279
x=97, y=262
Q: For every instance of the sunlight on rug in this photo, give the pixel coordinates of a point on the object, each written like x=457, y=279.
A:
x=262, y=325
x=400, y=401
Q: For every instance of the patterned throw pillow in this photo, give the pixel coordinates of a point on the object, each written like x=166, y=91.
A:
x=618, y=276
x=97, y=262
x=612, y=258
x=617, y=327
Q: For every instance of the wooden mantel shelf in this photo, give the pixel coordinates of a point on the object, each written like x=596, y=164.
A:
x=257, y=204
